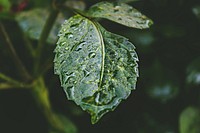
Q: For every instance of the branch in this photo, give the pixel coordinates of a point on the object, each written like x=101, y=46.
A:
x=24, y=73
x=6, y=86
x=41, y=95
x=11, y=83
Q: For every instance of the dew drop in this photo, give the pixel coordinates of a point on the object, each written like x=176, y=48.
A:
x=66, y=48
x=70, y=36
x=92, y=55
x=119, y=19
x=63, y=43
x=78, y=48
x=86, y=73
x=97, y=98
x=70, y=92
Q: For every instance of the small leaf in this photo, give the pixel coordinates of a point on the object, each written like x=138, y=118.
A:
x=120, y=13
x=4, y=6
x=190, y=120
x=97, y=69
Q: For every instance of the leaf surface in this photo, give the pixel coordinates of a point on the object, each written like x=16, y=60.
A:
x=120, y=13
x=97, y=69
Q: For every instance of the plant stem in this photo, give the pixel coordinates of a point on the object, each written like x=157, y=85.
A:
x=11, y=83
x=41, y=95
x=44, y=35
x=24, y=73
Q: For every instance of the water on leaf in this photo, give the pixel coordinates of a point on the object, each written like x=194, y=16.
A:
x=92, y=55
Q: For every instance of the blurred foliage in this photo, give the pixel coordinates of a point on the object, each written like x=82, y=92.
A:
x=167, y=99
x=32, y=26
x=190, y=120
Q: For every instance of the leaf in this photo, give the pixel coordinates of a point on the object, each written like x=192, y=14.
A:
x=32, y=23
x=190, y=120
x=4, y=6
x=120, y=13
x=97, y=69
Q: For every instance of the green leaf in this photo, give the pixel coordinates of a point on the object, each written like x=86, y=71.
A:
x=120, y=13
x=32, y=23
x=97, y=69
x=4, y=5
x=190, y=120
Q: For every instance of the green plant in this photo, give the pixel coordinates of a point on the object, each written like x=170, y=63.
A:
x=97, y=68
x=167, y=96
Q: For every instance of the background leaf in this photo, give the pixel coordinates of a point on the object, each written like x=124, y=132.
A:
x=190, y=120
x=32, y=26
x=97, y=69
x=4, y=5
x=120, y=13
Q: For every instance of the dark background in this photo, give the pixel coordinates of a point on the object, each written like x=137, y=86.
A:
x=169, y=82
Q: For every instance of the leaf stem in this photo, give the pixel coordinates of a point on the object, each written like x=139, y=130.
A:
x=41, y=95
x=11, y=83
x=23, y=71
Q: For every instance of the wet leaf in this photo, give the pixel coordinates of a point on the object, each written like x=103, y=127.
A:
x=120, y=13
x=190, y=120
x=32, y=23
x=97, y=69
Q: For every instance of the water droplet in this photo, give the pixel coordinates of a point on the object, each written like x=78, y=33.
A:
x=86, y=73
x=66, y=48
x=97, y=98
x=63, y=43
x=70, y=36
x=71, y=80
x=70, y=92
x=92, y=54
x=120, y=19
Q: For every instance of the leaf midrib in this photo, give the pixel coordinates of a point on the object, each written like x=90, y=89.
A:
x=96, y=25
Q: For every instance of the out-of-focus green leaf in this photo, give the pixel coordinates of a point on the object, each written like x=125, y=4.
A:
x=172, y=31
x=120, y=13
x=162, y=86
x=196, y=11
x=40, y=3
x=190, y=120
x=97, y=69
x=193, y=72
x=75, y=4
x=4, y=5
x=32, y=23
x=163, y=92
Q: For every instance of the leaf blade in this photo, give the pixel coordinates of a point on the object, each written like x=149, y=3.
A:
x=120, y=13
x=101, y=81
